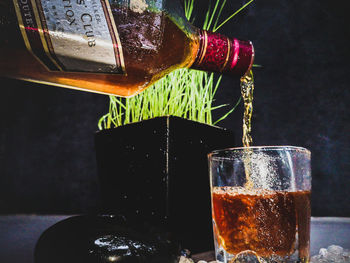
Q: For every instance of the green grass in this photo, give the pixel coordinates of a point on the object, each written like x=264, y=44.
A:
x=184, y=93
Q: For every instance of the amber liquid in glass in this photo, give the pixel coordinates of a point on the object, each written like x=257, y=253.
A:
x=264, y=221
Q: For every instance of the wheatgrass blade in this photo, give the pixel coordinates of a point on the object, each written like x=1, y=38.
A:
x=212, y=14
x=231, y=16
x=219, y=14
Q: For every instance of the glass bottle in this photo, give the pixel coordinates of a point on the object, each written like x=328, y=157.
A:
x=115, y=47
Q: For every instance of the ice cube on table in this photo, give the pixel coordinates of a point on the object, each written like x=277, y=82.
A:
x=333, y=254
x=323, y=252
x=346, y=253
x=335, y=249
x=185, y=260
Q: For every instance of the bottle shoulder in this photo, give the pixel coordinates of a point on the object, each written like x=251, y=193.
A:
x=155, y=41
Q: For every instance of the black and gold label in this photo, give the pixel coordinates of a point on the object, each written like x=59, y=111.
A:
x=71, y=35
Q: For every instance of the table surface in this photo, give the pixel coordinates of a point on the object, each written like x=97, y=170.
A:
x=19, y=234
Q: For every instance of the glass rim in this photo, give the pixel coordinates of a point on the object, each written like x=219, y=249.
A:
x=215, y=153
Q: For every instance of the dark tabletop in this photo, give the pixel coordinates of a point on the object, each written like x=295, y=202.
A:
x=19, y=233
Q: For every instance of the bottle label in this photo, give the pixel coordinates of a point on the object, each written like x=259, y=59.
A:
x=71, y=35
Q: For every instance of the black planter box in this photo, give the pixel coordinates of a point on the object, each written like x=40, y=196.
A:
x=158, y=170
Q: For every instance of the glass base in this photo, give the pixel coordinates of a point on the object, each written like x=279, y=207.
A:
x=250, y=256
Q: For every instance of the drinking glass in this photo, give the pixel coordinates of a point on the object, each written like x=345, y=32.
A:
x=260, y=200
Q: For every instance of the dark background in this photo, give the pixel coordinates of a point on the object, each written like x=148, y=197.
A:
x=47, y=158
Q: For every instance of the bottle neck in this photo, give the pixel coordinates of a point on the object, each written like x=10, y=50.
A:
x=218, y=53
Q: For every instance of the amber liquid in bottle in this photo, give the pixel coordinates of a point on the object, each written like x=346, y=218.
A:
x=152, y=44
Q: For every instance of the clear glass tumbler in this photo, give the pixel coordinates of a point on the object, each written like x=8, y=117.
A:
x=261, y=204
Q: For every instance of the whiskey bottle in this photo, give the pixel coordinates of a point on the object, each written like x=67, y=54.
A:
x=115, y=47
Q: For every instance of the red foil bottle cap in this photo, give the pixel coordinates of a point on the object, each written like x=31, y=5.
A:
x=219, y=53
